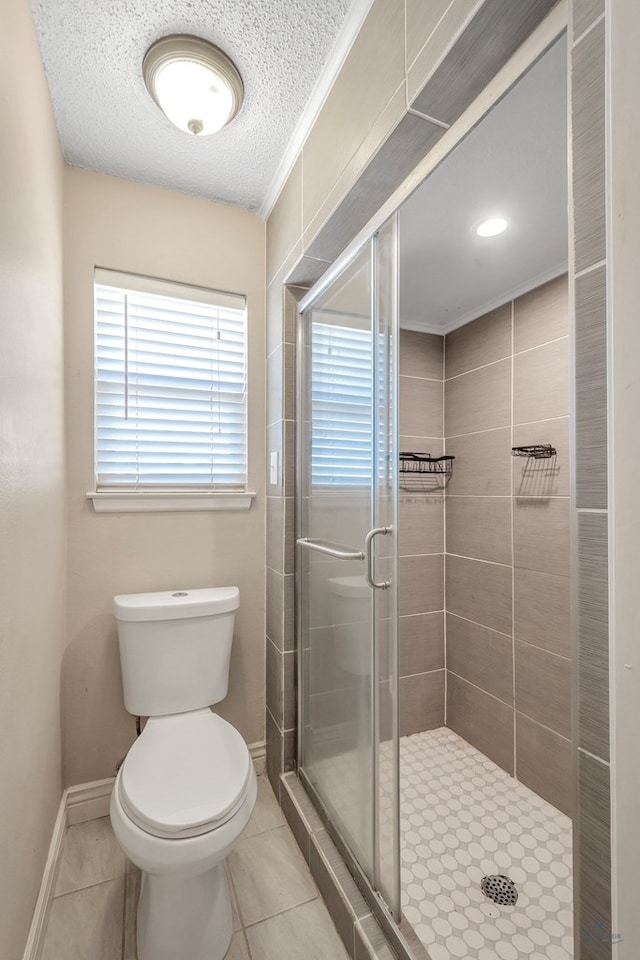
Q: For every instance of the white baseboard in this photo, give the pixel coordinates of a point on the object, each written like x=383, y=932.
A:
x=88, y=801
x=258, y=753
x=35, y=940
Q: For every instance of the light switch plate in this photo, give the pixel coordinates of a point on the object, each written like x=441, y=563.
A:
x=273, y=468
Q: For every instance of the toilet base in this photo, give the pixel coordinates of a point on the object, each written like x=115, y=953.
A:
x=186, y=917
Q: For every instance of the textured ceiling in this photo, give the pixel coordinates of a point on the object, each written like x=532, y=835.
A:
x=92, y=52
x=513, y=164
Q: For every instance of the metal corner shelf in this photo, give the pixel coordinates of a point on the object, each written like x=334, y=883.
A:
x=536, y=451
x=420, y=472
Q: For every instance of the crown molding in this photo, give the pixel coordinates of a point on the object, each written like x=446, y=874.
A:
x=350, y=29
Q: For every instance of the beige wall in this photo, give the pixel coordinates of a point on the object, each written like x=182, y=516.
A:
x=31, y=473
x=121, y=225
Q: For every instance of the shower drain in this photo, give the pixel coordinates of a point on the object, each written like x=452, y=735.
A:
x=500, y=889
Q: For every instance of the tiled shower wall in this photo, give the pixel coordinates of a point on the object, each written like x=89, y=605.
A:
x=590, y=262
x=508, y=650
x=363, y=145
x=421, y=539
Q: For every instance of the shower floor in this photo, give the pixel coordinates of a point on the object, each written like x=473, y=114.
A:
x=463, y=818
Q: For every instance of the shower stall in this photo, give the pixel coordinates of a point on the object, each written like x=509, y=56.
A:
x=432, y=566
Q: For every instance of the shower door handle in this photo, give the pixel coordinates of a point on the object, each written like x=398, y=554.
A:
x=330, y=549
x=369, y=555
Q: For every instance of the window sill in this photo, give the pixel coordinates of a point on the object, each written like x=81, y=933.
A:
x=151, y=502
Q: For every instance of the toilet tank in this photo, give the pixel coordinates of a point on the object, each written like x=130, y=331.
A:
x=175, y=648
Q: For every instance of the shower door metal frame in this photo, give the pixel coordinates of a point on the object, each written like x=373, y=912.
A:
x=389, y=915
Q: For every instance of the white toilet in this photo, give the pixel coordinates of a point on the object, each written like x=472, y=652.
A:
x=187, y=787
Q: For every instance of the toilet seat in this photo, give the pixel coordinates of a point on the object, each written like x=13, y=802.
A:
x=185, y=775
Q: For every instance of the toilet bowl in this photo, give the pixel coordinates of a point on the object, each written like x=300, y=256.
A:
x=187, y=788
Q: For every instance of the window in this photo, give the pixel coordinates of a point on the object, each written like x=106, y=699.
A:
x=341, y=431
x=171, y=387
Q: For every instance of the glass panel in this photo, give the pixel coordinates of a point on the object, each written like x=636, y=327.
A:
x=386, y=743
x=335, y=510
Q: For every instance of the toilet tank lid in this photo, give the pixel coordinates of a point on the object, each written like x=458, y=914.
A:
x=176, y=604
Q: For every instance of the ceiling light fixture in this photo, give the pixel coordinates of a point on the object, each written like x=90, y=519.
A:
x=492, y=227
x=195, y=84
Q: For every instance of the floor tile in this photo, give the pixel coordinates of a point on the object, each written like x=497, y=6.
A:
x=238, y=948
x=91, y=854
x=267, y=813
x=269, y=875
x=86, y=924
x=305, y=931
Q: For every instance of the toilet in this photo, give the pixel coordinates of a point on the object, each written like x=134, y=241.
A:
x=187, y=788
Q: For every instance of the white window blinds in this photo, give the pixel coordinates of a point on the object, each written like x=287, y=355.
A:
x=341, y=384
x=171, y=385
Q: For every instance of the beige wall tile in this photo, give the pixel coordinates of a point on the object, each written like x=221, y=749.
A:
x=541, y=315
x=421, y=355
x=593, y=836
x=431, y=445
x=480, y=342
x=355, y=100
x=284, y=226
x=421, y=702
x=368, y=179
x=479, y=527
x=481, y=656
x=543, y=687
x=421, y=642
x=543, y=763
x=421, y=524
x=588, y=114
x=541, y=610
x=591, y=390
x=275, y=533
x=585, y=12
x=541, y=535
x=479, y=591
x=421, y=584
x=437, y=40
x=485, y=722
x=492, y=36
x=542, y=478
x=480, y=400
x=541, y=383
x=420, y=407
x=422, y=20
x=593, y=631
x=483, y=464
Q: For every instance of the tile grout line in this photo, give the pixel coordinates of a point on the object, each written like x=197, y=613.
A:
x=507, y=356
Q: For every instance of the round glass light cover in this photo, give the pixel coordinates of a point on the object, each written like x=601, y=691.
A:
x=190, y=92
x=492, y=227
x=194, y=83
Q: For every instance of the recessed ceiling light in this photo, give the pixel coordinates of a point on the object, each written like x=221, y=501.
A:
x=194, y=83
x=492, y=227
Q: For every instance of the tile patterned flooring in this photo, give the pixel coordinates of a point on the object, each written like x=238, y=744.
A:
x=277, y=911
x=463, y=818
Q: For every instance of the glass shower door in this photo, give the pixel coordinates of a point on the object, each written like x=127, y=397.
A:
x=346, y=574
